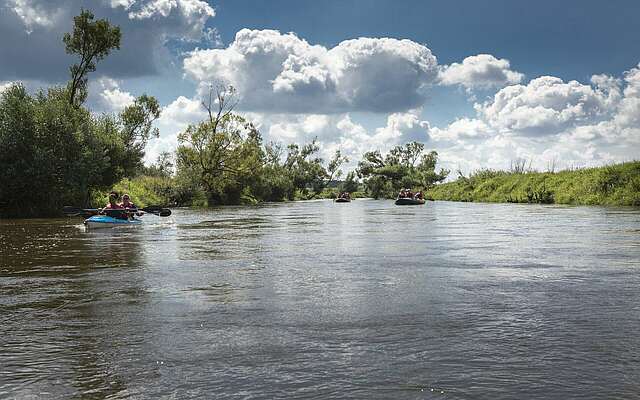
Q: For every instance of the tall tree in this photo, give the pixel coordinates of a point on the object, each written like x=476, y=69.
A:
x=222, y=152
x=333, y=169
x=91, y=42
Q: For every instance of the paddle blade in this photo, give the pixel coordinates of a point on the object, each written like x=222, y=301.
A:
x=157, y=210
x=79, y=212
x=71, y=211
x=152, y=209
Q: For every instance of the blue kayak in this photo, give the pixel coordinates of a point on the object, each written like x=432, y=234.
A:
x=104, y=221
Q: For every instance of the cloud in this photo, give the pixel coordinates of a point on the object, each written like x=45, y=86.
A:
x=32, y=31
x=548, y=121
x=186, y=17
x=547, y=105
x=342, y=132
x=174, y=118
x=403, y=128
x=112, y=98
x=33, y=14
x=283, y=73
x=126, y=4
x=629, y=110
x=482, y=71
x=462, y=130
x=183, y=111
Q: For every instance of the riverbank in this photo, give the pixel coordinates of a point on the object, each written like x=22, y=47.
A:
x=617, y=184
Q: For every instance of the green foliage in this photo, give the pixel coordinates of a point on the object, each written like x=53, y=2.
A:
x=384, y=177
x=148, y=190
x=304, y=169
x=163, y=166
x=53, y=151
x=91, y=42
x=223, y=157
x=350, y=184
x=617, y=184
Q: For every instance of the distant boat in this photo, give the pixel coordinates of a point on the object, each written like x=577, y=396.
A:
x=408, y=201
x=343, y=197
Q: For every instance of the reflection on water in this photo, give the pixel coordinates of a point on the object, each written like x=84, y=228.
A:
x=324, y=300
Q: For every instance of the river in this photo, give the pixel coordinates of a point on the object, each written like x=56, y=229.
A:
x=363, y=300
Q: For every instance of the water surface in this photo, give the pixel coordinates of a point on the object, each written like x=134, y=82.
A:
x=319, y=300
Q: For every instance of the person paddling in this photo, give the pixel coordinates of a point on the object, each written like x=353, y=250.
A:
x=113, y=202
x=113, y=205
x=128, y=205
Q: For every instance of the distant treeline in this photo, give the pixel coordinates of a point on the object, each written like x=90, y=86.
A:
x=617, y=184
x=217, y=169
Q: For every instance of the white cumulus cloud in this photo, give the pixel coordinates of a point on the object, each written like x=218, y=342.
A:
x=33, y=15
x=183, y=18
x=480, y=71
x=112, y=98
x=174, y=118
x=548, y=121
x=278, y=72
x=547, y=105
x=463, y=130
x=629, y=112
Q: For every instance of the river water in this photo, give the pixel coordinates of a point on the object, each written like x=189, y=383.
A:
x=361, y=300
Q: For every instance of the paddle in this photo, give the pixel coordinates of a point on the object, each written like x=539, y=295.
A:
x=87, y=212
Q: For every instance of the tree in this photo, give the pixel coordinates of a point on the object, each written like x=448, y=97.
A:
x=163, y=167
x=350, y=184
x=333, y=169
x=305, y=169
x=54, y=151
x=223, y=152
x=91, y=42
x=137, y=125
x=385, y=176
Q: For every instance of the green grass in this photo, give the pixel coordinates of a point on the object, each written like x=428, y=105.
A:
x=617, y=184
x=144, y=191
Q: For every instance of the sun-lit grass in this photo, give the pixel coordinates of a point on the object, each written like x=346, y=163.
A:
x=617, y=184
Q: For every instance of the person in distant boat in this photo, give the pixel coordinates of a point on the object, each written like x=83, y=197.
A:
x=127, y=204
x=419, y=196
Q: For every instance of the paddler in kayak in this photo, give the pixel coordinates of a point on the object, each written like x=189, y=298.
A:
x=113, y=205
x=128, y=205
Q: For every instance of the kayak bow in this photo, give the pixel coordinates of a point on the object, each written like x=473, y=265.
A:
x=105, y=221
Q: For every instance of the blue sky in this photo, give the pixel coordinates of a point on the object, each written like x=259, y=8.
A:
x=482, y=82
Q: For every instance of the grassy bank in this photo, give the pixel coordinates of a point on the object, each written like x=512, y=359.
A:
x=617, y=184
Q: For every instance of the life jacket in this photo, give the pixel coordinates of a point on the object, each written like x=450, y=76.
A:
x=115, y=211
x=130, y=205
